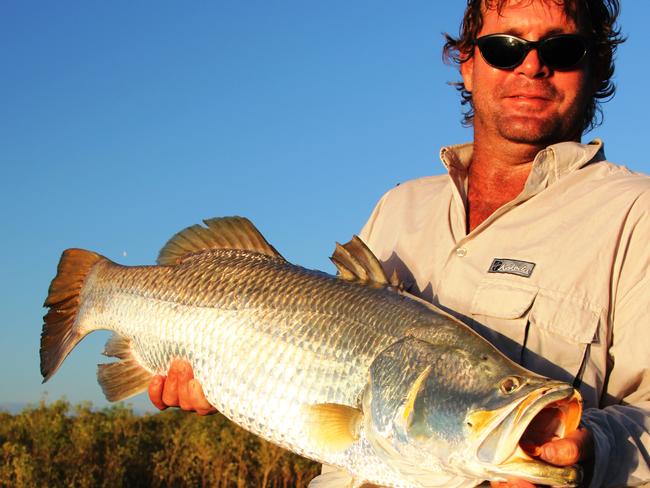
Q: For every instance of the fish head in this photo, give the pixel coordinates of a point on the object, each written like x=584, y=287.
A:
x=520, y=415
x=469, y=410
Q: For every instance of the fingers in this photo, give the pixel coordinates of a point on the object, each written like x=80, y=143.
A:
x=513, y=483
x=576, y=447
x=564, y=452
x=185, y=375
x=197, y=398
x=156, y=391
x=170, y=389
x=179, y=389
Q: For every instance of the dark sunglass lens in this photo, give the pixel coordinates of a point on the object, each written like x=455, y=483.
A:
x=562, y=52
x=502, y=51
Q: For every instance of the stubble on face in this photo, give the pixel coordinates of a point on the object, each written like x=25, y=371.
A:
x=531, y=104
x=536, y=122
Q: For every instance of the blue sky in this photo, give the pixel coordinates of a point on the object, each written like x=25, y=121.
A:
x=123, y=122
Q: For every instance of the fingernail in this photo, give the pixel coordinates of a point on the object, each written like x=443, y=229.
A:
x=548, y=452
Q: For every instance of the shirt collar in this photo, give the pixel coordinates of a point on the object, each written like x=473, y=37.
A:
x=549, y=165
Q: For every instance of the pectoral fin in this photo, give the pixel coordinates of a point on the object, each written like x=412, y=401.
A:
x=332, y=426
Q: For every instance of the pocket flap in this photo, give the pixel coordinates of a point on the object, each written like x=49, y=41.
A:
x=497, y=298
x=565, y=316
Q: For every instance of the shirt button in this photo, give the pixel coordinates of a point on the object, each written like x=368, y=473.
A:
x=461, y=252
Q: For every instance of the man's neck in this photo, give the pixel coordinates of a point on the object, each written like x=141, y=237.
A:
x=496, y=177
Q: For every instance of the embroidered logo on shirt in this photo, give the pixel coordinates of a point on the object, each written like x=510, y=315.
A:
x=512, y=266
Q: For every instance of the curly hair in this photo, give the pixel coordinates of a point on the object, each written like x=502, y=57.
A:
x=601, y=29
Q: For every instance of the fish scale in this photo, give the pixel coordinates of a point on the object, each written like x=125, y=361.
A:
x=333, y=348
x=345, y=371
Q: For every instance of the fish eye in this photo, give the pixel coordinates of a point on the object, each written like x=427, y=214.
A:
x=510, y=385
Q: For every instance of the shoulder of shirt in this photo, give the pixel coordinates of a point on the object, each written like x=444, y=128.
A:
x=621, y=177
x=630, y=189
x=428, y=184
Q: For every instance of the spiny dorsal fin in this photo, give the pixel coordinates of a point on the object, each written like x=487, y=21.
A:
x=124, y=378
x=220, y=233
x=332, y=426
x=395, y=282
x=355, y=262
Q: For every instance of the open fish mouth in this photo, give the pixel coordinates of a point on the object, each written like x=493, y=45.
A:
x=516, y=434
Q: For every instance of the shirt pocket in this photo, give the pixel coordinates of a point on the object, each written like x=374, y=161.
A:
x=499, y=312
x=561, y=330
x=545, y=331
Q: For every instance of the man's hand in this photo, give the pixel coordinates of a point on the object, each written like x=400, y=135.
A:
x=577, y=447
x=179, y=389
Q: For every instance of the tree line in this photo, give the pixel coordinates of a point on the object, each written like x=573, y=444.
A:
x=77, y=446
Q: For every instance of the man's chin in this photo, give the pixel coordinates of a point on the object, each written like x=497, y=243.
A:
x=538, y=132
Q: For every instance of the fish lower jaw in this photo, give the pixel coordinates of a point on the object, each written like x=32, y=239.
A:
x=522, y=466
x=519, y=456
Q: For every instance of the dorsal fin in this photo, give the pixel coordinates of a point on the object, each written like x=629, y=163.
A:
x=219, y=233
x=355, y=262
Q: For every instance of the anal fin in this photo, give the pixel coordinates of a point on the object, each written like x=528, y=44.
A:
x=124, y=378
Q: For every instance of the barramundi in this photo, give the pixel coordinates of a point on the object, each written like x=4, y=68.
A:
x=347, y=370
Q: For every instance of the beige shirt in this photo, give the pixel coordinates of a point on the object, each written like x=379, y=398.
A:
x=557, y=279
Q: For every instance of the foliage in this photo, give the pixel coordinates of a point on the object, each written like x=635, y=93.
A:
x=61, y=445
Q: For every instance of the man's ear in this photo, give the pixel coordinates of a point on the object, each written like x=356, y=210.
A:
x=467, y=72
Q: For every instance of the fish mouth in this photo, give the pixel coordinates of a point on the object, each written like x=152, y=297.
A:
x=516, y=433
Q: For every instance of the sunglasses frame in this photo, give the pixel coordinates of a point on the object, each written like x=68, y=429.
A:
x=530, y=45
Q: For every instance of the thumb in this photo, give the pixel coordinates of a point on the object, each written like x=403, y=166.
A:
x=576, y=447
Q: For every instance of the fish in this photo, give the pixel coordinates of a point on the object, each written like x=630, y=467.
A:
x=348, y=370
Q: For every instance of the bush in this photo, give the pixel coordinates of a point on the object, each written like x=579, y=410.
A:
x=60, y=445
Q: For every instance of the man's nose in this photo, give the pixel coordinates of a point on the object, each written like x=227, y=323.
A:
x=532, y=66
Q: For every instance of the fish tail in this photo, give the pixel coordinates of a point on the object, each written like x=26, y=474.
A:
x=60, y=331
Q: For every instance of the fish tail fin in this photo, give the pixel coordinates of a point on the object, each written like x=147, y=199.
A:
x=60, y=333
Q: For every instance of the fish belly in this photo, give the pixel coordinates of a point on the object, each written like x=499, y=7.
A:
x=259, y=367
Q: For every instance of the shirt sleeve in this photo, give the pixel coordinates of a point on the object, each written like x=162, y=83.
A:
x=621, y=429
x=369, y=232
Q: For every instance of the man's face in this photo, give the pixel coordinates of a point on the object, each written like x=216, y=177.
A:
x=530, y=104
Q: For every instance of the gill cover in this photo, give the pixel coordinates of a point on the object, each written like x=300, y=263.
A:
x=397, y=376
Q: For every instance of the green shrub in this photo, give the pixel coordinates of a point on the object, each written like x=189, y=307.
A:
x=61, y=445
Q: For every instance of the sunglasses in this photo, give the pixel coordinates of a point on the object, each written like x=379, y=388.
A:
x=559, y=52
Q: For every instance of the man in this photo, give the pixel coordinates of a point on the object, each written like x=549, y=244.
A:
x=533, y=239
